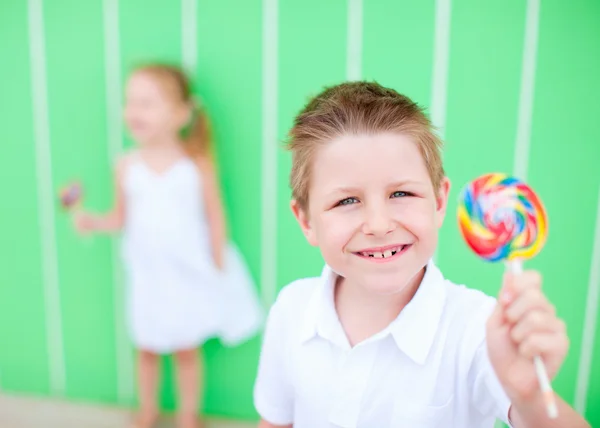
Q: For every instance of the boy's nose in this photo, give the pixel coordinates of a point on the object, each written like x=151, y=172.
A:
x=378, y=221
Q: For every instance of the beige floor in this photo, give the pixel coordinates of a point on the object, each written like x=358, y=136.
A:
x=22, y=412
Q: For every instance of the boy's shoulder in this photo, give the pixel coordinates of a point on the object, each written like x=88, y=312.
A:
x=461, y=295
x=298, y=293
x=468, y=309
x=460, y=300
x=292, y=304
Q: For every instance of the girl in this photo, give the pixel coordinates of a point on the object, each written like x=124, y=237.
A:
x=186, y=283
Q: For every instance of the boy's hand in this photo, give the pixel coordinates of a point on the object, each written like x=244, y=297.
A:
x=524, y=324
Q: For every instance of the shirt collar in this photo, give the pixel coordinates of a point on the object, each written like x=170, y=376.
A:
x=413, y=331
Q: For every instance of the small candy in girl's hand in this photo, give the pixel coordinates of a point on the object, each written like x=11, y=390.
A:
x=71, y=196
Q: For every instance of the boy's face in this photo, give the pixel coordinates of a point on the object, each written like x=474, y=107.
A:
x=372, y=210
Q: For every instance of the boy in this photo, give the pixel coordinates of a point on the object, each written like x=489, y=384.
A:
x=381, y=339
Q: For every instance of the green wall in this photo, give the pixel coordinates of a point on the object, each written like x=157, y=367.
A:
x=396, y=47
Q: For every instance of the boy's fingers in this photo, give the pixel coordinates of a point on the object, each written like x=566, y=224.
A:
x=516, y=283
x=529, y=300
x=536, y=322
x=543, y=344
x=496, y=319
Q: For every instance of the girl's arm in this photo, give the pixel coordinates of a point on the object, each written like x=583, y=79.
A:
x=214, y=209
x=113, y=220
x=265, y=424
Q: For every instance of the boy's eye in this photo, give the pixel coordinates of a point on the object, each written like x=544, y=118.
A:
x=400, y=194
x=347, y=201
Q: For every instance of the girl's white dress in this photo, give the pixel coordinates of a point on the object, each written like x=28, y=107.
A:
x=177, y=299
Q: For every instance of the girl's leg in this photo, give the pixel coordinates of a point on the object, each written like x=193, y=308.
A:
x=148, y=386
x=189, y=379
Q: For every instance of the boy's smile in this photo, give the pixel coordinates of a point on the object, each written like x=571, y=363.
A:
x=383, y=254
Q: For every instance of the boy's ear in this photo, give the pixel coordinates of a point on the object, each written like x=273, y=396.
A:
x=304, y=221
x=441, y=201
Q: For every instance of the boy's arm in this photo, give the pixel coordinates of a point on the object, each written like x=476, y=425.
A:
x=524, y=324
x=533, y=414
x=273, y=390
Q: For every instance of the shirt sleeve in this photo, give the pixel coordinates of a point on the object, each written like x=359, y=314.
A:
x=487, y=393
x=273, y=392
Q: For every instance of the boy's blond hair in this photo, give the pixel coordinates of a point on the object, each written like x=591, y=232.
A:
x=358, y=108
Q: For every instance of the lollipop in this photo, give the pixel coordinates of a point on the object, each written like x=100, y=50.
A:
x=502, y=219
x=71, y=197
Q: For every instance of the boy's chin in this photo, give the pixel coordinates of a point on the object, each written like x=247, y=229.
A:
x=388, y=283
x=386, y=288
x=384, y=284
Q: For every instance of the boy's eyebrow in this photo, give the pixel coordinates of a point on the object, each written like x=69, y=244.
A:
x=401, y=183
x=406, y=182
x=341, y=191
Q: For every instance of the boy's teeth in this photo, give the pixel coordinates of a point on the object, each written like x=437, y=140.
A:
x=384, y=254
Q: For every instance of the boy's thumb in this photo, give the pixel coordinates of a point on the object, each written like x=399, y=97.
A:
x=505, y=297
x=496, y=319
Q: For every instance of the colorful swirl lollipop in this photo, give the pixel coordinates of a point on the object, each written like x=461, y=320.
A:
x=502, y=219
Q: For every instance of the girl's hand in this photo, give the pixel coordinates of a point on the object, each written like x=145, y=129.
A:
x=85, y=222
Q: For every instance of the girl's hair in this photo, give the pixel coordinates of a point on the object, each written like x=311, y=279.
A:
x=196, y=135
x=358, y=108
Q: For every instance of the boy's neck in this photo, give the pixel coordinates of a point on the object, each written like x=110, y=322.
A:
x=363, y=314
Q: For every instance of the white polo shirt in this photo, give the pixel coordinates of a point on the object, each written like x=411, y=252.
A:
x=428, y=368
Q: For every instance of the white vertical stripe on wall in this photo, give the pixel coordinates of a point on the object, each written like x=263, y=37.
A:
x=522, y=143
x=189, y=37
x=112, y=64
x=439, y=82
x=354, y=39
x=268, y=275
x=45, y=194
x=441, y=49
x=589, y=327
